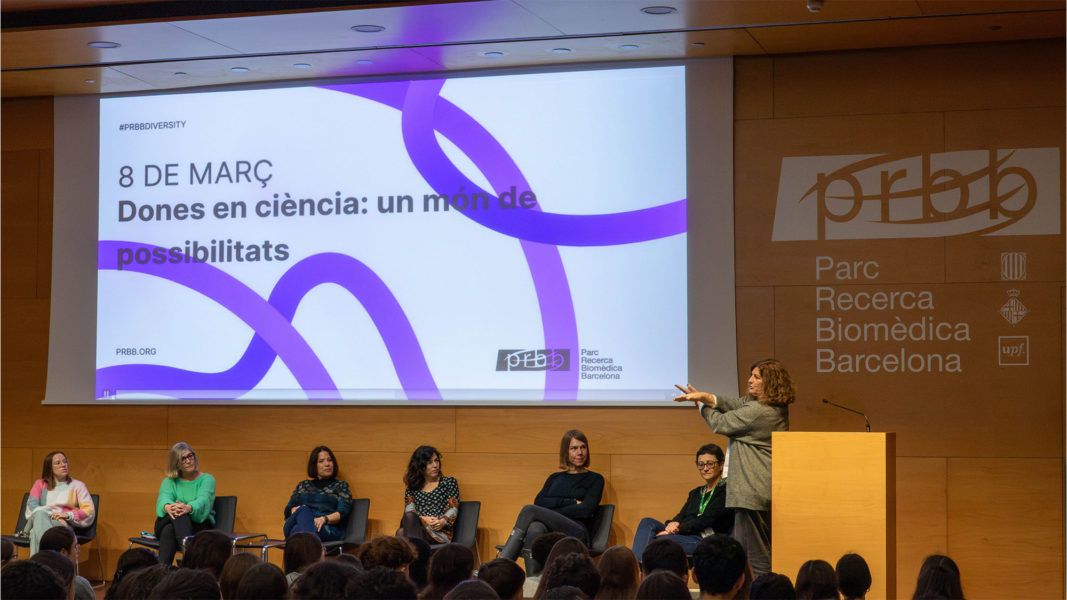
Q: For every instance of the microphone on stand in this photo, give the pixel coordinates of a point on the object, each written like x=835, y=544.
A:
x=825, y=401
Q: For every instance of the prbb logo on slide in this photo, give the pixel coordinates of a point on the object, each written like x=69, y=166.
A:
x=876, y=196
x=533, y=360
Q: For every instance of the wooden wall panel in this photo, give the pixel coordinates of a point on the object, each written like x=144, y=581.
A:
x=1005, y=525
x=922, y=516
x=18, y=470
x=111, y=427
x=18, y=223
x=753, y=87
x=27, y=124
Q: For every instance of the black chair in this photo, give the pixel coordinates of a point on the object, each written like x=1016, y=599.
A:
x=598, y=536
x=355, y=532
x=465, y=529
x=225, y=517
x=84, y=534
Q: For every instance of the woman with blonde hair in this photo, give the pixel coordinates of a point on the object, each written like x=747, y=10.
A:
x=186, y=500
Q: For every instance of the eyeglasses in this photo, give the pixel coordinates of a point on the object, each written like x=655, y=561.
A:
x=189, y=457
x=708, y=465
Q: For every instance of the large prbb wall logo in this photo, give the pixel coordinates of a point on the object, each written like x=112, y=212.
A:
x=874, y=196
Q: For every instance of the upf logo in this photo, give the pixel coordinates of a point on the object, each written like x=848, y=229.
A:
x=980, y=192
x=1013, y=350
x=533, y=360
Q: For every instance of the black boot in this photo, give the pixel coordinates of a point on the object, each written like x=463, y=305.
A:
x=513, y=546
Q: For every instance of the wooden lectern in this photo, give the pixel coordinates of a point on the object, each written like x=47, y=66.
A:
x=832, y=494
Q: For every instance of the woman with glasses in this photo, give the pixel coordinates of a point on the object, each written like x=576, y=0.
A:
x=431, y=501
x=749, y=422
x=56, y=499
x=186, y=501
x=320, y=503
x=703, y=513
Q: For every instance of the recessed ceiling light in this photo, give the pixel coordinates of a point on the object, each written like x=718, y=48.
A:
x=659, y=10
x=368, y=28
x=90, y=81
x=104, y=45
x=364, y=61
x=239, y=69
x=301, y=66
x=698, y=44
x=561, y=50
x=180, y=73
x=629, y=47
x=493, y=54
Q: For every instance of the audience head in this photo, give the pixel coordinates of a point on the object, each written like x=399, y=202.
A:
x=138, y=584
x=262, y=581
x=186, y=584
x=209, y=549
x=235, y=568
x=662, y=553
x=719, y=564
x=387, y=551
x=60, y=565
x=565, y=592
x=662, y=585
x=505, y=576
x=619, y=574
x=56, y=468
x=417, y=569
x=472, y=589
x=322, y=456
x=382, y=583
x=7, y=551
x=939, y=577
x=816, y=580
x=351, y=559
x=772, y=586
x=542, y=545
x=449, y=565
x=60, y=539
x=30, y=580
x=301, y=550
x=778, y=389
x=565, y=447
x=574, y=569
x=415, y=476
x=174, y=459
x=853, y=576
x=130, y=561
x=324, y=581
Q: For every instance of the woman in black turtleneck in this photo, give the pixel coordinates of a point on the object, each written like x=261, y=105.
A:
x=319, y=504
x=567, y=503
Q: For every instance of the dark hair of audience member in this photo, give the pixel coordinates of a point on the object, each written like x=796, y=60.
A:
x=30, y=580
x=138, y=584
x=619, y=574
x=186, y=584
x=235, y=568
x=570, y=569
x=301, y=550
x=853, y=576
x=662, y=585
x=417, y=569
x=449, y=565
x=542, y=546
x=472, y=589
x=130, y=561
x=565, y=592
x=719, y=562
x=669, y=555
x=60, y=539
x=264, y=581
x=387, y=551
x=816, y=580
x=59, y=563
x=351, y=559
x=505, y=577
x=382, y=583
x=209, y=549
x=7, y=551
x=566, y=545
x=939, y=578
x=772, y=586
x=326, y=580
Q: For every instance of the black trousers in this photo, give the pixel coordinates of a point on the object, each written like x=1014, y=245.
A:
x=170, y=533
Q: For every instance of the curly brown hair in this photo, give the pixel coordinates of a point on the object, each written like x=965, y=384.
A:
x=778, y=388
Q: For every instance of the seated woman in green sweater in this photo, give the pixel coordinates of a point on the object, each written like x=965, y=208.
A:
x=567, y=502
x=186, y=501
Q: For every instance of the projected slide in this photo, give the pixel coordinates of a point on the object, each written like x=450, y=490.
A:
x=496, y=239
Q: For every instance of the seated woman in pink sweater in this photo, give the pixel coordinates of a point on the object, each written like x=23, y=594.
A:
x=57, y=499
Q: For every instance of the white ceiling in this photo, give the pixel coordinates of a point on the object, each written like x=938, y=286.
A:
x=157, y=43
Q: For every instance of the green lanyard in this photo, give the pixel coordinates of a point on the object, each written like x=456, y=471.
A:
x=705, y=498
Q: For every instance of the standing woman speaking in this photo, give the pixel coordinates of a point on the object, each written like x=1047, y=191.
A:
x=748, y=423
x=186, y=501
